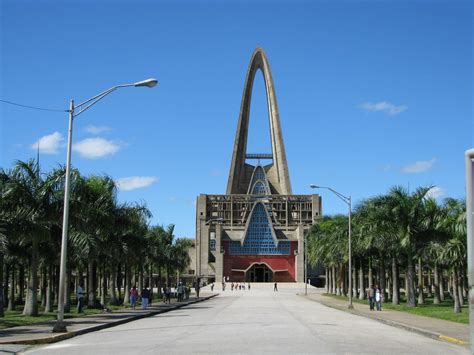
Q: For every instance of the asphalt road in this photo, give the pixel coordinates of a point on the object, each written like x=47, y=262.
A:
x=256, y=321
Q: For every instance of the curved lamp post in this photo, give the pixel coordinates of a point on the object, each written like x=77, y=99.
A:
x=348, y=201
x=60, y=326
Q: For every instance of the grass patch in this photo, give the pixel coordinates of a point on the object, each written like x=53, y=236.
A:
x=16, y=318
x=440, y=311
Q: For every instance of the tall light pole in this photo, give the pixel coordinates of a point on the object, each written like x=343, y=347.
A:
x=348, y=201
x=470, y=237
x=306, y=264
x=60, y=326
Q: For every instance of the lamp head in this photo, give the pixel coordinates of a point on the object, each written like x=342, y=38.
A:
x=148, y=83
x=314, y=186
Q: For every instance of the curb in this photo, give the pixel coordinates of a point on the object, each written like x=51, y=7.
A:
x=404, y=326
x=63, y=336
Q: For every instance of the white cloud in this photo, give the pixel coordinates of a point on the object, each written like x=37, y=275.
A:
x=97, y=129
x=49, y=144
x=436, y=192
x=135, y=182
x=419, y=166
x=94, y=148
x=383, y=106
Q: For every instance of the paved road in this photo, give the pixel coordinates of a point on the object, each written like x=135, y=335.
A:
x=256, y=321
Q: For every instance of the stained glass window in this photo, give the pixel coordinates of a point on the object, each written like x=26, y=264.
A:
x=259, y=240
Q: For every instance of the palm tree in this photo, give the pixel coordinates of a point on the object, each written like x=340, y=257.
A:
x=32, y=212
x=407, y=211
x=454, y=251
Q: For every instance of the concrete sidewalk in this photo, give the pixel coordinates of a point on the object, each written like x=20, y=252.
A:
x=41, y=333
x=453, y=332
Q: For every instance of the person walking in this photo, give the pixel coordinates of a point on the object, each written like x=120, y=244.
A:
x=371, y=297
x=248, y=285
x=197, y=287
x=167, y=294
x=212, y=287
x=275, y=287
x=133, y=297
x=145, y=297
x=179, y=291
x=80, y=298
x=378, y=298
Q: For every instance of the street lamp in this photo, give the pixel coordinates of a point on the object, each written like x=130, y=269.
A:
x=60, y=327
x=470, y=237
x=348, y=200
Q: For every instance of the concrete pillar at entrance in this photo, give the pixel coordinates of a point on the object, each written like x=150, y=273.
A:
x=300, y=257
x=219, y=264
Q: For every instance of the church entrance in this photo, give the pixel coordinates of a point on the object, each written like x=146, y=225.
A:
x=259, y=273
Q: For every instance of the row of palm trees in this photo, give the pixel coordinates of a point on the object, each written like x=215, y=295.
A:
x=398, y=235
x=111, y=244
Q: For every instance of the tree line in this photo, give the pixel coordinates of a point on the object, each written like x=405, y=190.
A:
x=397, y=237
x=111, y=245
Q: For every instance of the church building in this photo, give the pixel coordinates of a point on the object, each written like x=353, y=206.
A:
x=256, y=231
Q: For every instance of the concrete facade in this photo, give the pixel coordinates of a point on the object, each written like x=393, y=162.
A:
x=256, y=231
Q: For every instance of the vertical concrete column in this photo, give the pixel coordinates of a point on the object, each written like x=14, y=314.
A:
x=300, y=257
x=219, y=264
x=202, y=237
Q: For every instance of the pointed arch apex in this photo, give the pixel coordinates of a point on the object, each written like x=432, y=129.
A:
x=278, y=172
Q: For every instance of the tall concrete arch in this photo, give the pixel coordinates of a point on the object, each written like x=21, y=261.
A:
x=241, y=172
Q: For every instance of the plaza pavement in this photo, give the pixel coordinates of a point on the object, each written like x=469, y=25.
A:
x=16, y=339
x=457, y=333
x=255, y=321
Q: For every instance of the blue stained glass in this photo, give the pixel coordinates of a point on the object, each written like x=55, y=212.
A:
x=259, y=183
x=259, y=189
x=259, y=240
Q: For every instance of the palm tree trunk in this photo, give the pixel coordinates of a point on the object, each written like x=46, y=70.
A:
x=326, y=283
x=67, y=290
x=11, y=298
x=48, y=308
x=334, y=282
x=119, y=281
x=103, y=298
x=436, y=296
x=112, y=286
x=371, y=278
x=395, y=282
x=421, y=298
x=361, y=281
x=354, y=282
x=457, y=304
x=340, y=281
x=441, y=285
x=460, y=295
x=430, y=284
x=6, y=282
x=91, y=284
x=2, y=300
x=43, y=284
x=140, y=279
x=383, y=280
x=31, y=303
x=150, y=280
x=330, y=280
x=21, y=284
x=128, y=282
x=410, y=275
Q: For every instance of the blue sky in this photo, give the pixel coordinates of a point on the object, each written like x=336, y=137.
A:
x=371, y=93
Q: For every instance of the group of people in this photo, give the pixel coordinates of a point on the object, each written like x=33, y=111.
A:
x=239, y=286
x=145, y=297
x=375, y=296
